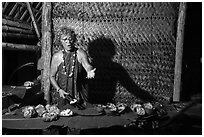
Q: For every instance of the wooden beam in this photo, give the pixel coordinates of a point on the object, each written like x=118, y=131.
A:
x=18, y=35
x=22, y=17
x=6, y=28
x=46, y=48
x=16, y=24
x=36, y=15
x=39, y=18
x=5, y=7
x=33, y=9
x=29, y=19
x=13, y=9
x=12, y=46
x=38, y=5
x=33, y=20
x=179, y=52
x=17, y=15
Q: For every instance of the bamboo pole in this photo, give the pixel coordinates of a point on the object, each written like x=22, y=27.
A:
x=38, y=5
x=24, y=14
x=12, y=46
x=13, y=9
x=6, y=28
x=16, y=24
x=29, y=19
x=33, y=19
x=18, y=35
x=39, y=18
x=46, y=49
x=5, y=7
x=33, y=9
x=179, y=52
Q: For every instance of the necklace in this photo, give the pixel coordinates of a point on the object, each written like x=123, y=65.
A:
x=66, y=70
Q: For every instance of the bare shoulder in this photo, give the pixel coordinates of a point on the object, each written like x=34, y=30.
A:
x=81, y=55
x=81, y=52
x=57, y=57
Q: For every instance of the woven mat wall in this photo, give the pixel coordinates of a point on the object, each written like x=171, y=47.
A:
x=143, y=34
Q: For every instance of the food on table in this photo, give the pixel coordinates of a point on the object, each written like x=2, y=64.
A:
x=52, y=109
x=138, y=109
x=121, y=107
x=40, y=109
x=149, y=109
x=49, y=116
x=29, y=112
x=111, y=107
x=66, y=112
x=52, y=112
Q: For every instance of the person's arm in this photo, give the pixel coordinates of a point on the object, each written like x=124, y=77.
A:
x=83, y=59
x=53, y=70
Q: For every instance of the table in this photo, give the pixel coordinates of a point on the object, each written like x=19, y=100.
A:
x=74, y=122
x=187, y=122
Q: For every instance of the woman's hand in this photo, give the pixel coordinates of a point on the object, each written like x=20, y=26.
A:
x=62, y=93
x=91, y=73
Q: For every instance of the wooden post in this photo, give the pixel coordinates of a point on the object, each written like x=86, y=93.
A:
x=33, y=20
x=46, y=49
x=179, y=52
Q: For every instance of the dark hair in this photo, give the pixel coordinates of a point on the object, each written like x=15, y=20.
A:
x=68, y=31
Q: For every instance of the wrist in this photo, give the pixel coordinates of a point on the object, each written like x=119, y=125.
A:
x=89, y=68
x=58, y=89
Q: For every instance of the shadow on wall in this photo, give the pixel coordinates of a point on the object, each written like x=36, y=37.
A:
x=102, y=88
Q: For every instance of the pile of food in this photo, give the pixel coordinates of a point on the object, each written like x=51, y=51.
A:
x=148, y=109
x=51, y=113
x=48, y=112
x=29, y=112
x=149, y=114
x=112, y=109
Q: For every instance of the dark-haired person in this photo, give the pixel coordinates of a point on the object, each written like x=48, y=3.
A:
x=69, y=69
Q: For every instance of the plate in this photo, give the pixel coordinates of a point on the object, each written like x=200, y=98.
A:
x=88, y=112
